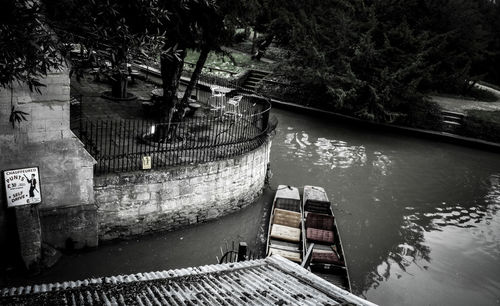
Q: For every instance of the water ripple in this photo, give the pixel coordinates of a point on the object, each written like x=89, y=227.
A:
x=338, y=154
x=334, y=153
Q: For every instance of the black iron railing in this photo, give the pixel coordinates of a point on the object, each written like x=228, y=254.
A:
x=207, y=135
x=233, y=254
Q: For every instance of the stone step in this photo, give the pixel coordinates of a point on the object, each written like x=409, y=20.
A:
x=253, y=78
x=252, y=82
x=451, y=113
x=259, y=72
x=453, y=123
x=249, y=88
x=452, y=118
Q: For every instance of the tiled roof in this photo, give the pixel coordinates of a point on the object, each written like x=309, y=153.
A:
x=270, y=281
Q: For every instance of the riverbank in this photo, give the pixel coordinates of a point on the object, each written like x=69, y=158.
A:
x=453, y=119
x=463, y=104
x=442, y=136
x=473, y=126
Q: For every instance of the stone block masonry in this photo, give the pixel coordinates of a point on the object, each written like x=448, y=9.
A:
x=29, y=232
x=148, y=201
x=67, y=214
x=48, y=113
x=70, y=227
x=66, y=181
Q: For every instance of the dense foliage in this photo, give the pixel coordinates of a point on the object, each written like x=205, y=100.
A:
x=482, y=124
x=28, y=49
x=362, y=57
x=118, y=29
x=371, y=58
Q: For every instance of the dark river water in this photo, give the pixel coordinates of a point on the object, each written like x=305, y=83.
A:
x=419, y=219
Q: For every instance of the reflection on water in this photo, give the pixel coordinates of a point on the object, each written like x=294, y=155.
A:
x=415, y=250
x=451, y=254
x=338, y=154
x=419, y=219
x=330, y=152
x=381, y=163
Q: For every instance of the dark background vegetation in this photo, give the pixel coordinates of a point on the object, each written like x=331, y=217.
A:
x=376, y=60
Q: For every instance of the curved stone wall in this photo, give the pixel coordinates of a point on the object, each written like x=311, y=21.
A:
x=135, y=203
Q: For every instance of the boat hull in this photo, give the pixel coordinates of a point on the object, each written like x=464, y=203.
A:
x=320, y=230
x=284, y=235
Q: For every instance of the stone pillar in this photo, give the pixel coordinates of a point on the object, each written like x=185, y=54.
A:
x=30, y=235
x=67, y=212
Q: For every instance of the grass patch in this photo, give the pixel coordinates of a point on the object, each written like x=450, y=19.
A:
x=242, y=61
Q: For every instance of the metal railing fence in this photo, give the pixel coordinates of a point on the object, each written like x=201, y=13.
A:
x=129, y=145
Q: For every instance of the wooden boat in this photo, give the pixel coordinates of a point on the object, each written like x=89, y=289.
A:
x=284, y=236
x=320, y=231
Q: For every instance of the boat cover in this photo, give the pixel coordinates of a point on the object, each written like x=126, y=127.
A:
x=286, y=233
x=319, y=235
x=319, y=221
x=326, y=257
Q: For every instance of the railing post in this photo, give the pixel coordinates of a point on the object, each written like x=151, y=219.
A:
x=265, y=117
x=242, y=251
x=80, y=115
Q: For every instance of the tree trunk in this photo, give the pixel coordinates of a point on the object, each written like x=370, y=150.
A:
x=119, y=85
x=120, y=73
x=263, y=47
x=195, y=75
x=254, y=41
x=171, y=69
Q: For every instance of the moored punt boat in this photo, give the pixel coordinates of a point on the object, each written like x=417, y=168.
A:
x=285, y=224
x=320, y=230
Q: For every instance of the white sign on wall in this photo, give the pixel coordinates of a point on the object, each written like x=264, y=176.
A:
x=22, y=186
x=146, y=162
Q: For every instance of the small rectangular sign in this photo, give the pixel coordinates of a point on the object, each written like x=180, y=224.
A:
x=146, y=162
x=22, y=186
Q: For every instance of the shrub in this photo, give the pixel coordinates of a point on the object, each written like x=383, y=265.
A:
x=421, y=113
x=292, y=93
x=239, y=37
x=276, y=54
x=482, y=124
